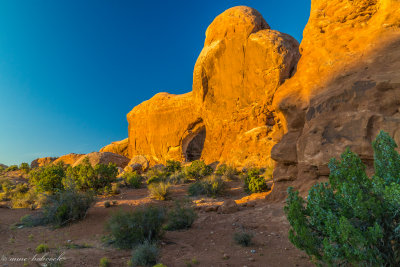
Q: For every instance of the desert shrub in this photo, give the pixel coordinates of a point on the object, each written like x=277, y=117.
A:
x=94, y=178
x=24, y=167
x=227, y=172
x=107, y=204
x=115, y=189
x=353, y=220
x=132, y=179
x=48, y=178
x=173, y=166
x=104, y=262
x=60, y=209
x=128, y=229
x=211, y=186
x=156, y=175
x=159, y=191
x=12, y=168
x=178, y=177
x=181, y=216
x=42, y=248
x=242, y=238
x=145, y=254
x=198, y=169
x=24, y=197
x=254, y=182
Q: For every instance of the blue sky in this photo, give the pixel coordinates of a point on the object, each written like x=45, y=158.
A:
x=71, y=70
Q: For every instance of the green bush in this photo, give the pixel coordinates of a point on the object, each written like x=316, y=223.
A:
x=227, y=173
x=94, y=178
x=42, y=248
x=178, y=177
x=198, y=169
x=12, y=168
x=145, y=254
x=24, y=197
x=49, y=178
x=132, y=179
x=159, y=191
x=155, y=175
x=181, y=216
x=211, y=186
x=104, y=262
x=243, y=238
x=60, y=209
x=254, y=182
x=107, y=204
x=24, y=167
x=353, y=220
x=173, y=166
x=128, y=229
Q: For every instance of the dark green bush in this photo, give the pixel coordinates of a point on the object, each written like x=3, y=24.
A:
x=173, y=166
x=178, y=177
x=198, y=169
x=12, y=168
x=94, y=178
x=132, y=179
x=227, y=172
x=156, y=175
x=128, y=229
x=254, y=182
x=353, y=220
x=211, y=186
x=25, y=167
x=104, y=262
x=49, y=178
x=243, y=238
x=181, y=216
x=145, y=254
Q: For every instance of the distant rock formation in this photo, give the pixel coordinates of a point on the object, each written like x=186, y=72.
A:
x=3, y=166
x=228, y=117
x=68, y=159
x=41, y=162
x=346, y=89
x=103, y=158
x=118, y=147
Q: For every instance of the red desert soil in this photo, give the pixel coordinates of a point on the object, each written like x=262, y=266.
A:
x=209, y=242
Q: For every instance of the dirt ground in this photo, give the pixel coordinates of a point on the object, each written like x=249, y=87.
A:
x=209, y=242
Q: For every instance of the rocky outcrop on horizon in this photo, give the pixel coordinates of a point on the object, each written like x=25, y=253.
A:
x=68, y=159
x=41, y=162
x=118, y=147
x=103, y=158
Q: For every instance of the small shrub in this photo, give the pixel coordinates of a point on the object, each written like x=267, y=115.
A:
x=159, y=191
x=227, y=173
x=254, y=182
x=132, y=179
x=115, y=190
x=181, y=216
x=243, y=238
x=155, y=175
x=104, y=262
x=145, y=254
x=98, y=178
x=25, y=167
x=173, y=166
x=128, y=229
x=160, y=265
x=212, y=186
x=12, y=168
x=178, y=177
x=42, y=248
x=107, y=204
x=49, y=178
x=24, y=197
x=198, y=169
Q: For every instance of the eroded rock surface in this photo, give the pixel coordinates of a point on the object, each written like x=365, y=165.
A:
x=118, y=147
x=41, y=162
x=103, y=158
x=68, y=159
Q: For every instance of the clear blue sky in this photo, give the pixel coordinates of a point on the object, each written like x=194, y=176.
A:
x=71, y=70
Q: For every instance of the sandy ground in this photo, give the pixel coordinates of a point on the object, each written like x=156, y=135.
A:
x=208, y=243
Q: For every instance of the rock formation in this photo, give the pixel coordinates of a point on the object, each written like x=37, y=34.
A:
x=68, y=159
x=118, y=147
x=346, y=89
x=41, y=162
x=103, y=158
x=228, y=116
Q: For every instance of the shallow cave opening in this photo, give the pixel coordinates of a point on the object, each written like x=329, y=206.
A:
x=195, y=145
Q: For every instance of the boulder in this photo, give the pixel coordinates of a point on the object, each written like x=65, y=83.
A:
x=68, y=159
x=140, y=160
x=103, y=158
x=228, y=115
x=229, y=206
x=41, y=162
x=346, y=89
x=118, y=147
x=136, y=167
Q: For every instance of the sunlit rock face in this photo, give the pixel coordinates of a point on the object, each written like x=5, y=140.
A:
x=41, y=162
x=118, y=147
x=228, y=117
x=346, y=88
x=68, y=159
